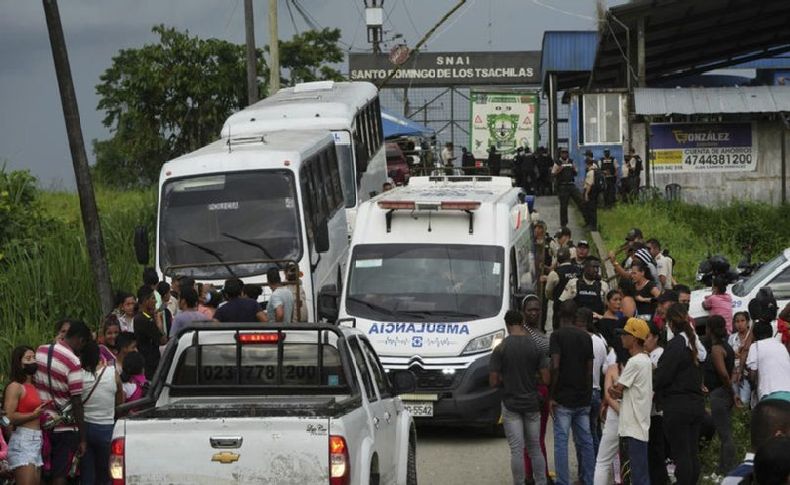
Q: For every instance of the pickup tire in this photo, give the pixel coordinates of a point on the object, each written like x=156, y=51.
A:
x=411, y=465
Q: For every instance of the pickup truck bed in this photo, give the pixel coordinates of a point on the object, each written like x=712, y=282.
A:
x=304, y=406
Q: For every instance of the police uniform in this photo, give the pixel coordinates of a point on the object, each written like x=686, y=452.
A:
x=566, y=273
x=544, y=163
x=609, y=169
x=566, y=187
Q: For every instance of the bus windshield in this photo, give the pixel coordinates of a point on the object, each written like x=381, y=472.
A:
x=413, y=282
x=211, y=223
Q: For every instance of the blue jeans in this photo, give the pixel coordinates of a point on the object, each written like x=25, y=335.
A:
x=579, y=419
x=633, y=461
x=94, y=467
x=595, y=427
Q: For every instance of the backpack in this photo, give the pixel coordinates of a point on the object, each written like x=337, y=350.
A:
x=763, y=306
x=599, y=182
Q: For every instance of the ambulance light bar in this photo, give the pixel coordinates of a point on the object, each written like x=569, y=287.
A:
x=460, y=205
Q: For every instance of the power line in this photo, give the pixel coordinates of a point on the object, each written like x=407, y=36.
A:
x=291, y=14
x=411, y=21
x=556, y=9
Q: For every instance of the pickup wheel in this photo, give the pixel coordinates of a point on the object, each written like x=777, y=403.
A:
x=411, y=465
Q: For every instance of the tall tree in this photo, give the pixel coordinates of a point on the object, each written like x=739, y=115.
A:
x=306, y=56
x=166, y=99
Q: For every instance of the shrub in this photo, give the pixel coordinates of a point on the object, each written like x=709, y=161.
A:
x=49, y=277
x=692, y=232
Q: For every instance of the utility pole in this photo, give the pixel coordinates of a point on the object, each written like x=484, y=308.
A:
x=374, y=18
x=274, y=49
x=252, y=63
x=90, y=213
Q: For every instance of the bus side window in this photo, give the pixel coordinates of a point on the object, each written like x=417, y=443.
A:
x=334, y=174
x=319, y=194
x=379, y=129
x=308, y=200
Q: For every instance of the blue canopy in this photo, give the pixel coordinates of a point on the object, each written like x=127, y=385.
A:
x=395, y=126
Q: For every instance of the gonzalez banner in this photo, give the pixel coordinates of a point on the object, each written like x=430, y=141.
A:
x=504, y=120
x=702, y=147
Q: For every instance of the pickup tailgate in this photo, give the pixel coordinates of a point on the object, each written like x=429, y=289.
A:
x=272, y=450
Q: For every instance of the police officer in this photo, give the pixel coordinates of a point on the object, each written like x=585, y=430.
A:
x=634, y=167
x=558, y=279
x=587, y=289
x=518, y=166
x=544, y=163
x=609, y=168
x=590, y=208
x=467, y=161
x=565, y=172
x=494, y=161
x=530, y=170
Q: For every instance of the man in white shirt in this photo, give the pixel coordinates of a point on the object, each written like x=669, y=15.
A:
x=663, y=264
x=635, y=386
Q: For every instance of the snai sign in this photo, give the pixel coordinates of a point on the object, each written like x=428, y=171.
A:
x=449, y=68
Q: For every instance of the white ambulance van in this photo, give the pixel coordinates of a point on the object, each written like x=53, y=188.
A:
x=433, y=267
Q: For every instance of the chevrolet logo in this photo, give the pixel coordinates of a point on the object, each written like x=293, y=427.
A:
x=226, y=457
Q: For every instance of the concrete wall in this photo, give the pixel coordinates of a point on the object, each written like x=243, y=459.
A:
x=711, y=189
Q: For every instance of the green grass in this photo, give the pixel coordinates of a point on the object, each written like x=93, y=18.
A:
x=692, y=232
x=51, y=278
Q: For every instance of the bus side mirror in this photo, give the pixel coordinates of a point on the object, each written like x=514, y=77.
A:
x=141, y=246
x=322, y=237
x=329, y=303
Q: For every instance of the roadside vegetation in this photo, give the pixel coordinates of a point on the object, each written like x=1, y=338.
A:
x=44, y=268
x=692, y=232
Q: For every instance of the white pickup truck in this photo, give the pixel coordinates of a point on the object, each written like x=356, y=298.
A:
x=268, y=404
x=774, y=274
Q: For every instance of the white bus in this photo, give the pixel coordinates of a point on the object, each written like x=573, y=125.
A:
x=433, y=268
x=241, y=205
x=350, y=110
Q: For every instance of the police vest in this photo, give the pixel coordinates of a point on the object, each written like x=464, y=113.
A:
x=566, y=175
x=607, y=167
x=566, y=273
x=589, y=295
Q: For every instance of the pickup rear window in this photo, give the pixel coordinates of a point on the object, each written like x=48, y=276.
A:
x=269, y=365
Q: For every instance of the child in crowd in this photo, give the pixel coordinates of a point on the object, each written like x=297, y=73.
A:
x=720, y=302
x=133, y=377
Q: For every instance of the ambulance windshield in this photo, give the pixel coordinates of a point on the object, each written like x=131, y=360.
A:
x=425, y=282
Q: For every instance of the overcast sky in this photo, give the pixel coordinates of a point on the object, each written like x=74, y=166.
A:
x=32, y=131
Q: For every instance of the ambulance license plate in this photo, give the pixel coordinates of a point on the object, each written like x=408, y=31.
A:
x=419, y=409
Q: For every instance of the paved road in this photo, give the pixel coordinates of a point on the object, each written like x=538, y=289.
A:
x=452, y=456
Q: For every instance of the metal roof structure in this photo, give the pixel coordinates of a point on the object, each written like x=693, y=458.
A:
x=570, y=54
x=776, y=62
x=686, y=37
x=735, y=100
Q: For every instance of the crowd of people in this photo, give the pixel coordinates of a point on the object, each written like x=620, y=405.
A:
x=59, y=407
x=627, y=372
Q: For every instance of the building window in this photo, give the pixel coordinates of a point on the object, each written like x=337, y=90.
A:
x=602, y=119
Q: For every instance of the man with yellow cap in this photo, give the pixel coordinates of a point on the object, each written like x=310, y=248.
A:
x=635, y=386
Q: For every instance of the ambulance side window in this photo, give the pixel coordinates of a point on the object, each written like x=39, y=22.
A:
x=513, y=278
